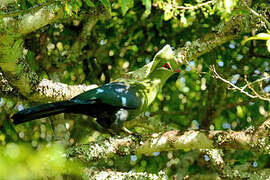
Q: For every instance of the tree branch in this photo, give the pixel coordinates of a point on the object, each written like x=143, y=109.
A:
x=223, y=33
x=239, y=172
x=12, y=61
x=255, y=140
x=55, y=91
x=37, y=18
x=4, y=3
x=28, y=83
x=93, y=173
x=76, y=49
x=216, y=159
x=6, y=89
x=225, y=169
x=267, y=23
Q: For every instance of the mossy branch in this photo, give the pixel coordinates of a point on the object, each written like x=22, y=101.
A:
x=255, y=140
x=93, y=173
x=222, y=33
x=20, y=76
x=16, y=71
x=81, y=41
x=6, y=88
x=35, y=19
x=226, y=170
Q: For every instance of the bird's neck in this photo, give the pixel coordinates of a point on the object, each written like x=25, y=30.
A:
x=155, y=82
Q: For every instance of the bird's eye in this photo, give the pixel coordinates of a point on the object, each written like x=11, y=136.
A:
x=166, y=65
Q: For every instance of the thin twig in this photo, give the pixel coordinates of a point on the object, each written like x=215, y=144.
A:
x=258, y=80
x=255, y=92
x=213, y=69
x=248, y=84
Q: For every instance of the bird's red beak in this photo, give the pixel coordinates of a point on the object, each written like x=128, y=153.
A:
x=177, y=70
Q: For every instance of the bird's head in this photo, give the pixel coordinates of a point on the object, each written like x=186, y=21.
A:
x=167, y=66
x=164, y=64
x=165, y=61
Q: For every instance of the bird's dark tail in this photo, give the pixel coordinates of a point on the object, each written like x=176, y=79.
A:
x=41, y=111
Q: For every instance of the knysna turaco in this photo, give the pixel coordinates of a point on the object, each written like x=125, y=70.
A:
x=115, y=102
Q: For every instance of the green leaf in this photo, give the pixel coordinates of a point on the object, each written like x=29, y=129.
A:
x=239, y=111
x=268, y=45
x=148, y=5
x=79, y=3
x=107, y=5
x=261, y=36
x=124, y=6
x=168, y=14
x=89, y=3
x=68, y=9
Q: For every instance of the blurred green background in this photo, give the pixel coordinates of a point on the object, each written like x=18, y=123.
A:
x=123, y=41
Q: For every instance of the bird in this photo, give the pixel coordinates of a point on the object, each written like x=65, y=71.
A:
x=116, y=102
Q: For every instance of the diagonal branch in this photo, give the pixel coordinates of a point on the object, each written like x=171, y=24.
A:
x=29, y=22
x=224, y=32
x=81, y=41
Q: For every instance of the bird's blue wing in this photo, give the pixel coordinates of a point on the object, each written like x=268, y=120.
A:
x=116, y=94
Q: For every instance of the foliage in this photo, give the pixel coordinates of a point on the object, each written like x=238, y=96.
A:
x=125, y=41
x=261, y=36
x=19, y=161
